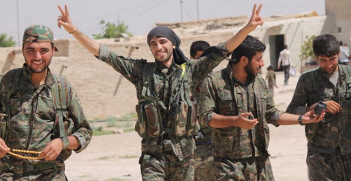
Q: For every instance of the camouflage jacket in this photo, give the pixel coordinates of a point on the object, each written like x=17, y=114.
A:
x=334, y=130
x=33, y=115
x=163, y=88
x=204, y=135
x=222, y=94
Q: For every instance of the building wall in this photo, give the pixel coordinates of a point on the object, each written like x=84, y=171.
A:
x=294, y=30
x=94, y=80
x=339, y=11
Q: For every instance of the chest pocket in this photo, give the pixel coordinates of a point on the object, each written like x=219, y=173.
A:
x=226, y=102
x=15, y=103
x=46, y=107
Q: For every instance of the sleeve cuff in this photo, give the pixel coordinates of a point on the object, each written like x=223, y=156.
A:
x=276, y=117
x=209, y=117
x=224, y=50
x=104, y=53
x=81, y=141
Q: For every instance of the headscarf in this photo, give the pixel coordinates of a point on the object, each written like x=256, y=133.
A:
x=164, y=31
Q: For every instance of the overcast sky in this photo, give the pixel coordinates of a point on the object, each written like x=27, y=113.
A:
x=139, y=15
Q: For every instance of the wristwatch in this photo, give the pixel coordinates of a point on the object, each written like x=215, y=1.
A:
x=300, y=120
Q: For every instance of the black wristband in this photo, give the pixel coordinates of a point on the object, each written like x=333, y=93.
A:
x=300, y=120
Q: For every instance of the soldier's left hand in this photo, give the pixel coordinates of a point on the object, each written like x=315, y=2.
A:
x=310, y=117
x=52, y=149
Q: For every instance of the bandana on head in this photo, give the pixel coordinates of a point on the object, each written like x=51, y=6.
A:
x=164, y=31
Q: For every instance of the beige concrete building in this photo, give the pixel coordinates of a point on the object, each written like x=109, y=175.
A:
x=103, y=92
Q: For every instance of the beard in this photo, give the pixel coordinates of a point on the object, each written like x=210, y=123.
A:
x=250, y=70
x=36, y=70
x=165, y=59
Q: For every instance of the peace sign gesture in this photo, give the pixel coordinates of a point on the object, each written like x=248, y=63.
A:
x=255, y=19
x=65, y=20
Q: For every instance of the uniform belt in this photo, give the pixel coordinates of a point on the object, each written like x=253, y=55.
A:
x=33, y=168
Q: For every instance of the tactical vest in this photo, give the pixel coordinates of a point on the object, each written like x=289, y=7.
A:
x=60, y=99
x=313, y=79
x=182, y=111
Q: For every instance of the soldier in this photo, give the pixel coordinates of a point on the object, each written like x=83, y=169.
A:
x=237, y=104
x=197, y=48
x=166, y=111
x=329, y=141
x=43, y=115
x=203, y=153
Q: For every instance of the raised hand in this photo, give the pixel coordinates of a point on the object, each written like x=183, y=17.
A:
x=255, y=19
x=65, y=20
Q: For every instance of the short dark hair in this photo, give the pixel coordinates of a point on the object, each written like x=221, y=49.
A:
x=285, y=46
x=326, y=45
x=341, y=43
x=248, y=48
x=198, y=46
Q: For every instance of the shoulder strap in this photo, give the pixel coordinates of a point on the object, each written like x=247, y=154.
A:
x=184, y=79
x=60, y=96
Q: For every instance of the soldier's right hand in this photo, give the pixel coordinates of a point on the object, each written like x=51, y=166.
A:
x=255, y=19
x=332, y=107
x=3, y=148
x=243, y=121
x=65, y=20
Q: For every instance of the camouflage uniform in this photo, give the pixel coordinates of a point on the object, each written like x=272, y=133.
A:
x=203, y=154
x=167, y=155
x=329, y=146
x=33, y=116
x=240, y=154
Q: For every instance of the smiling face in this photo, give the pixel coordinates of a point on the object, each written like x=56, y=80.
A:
x=328, y=64
x=38, y=55
x=162, y=49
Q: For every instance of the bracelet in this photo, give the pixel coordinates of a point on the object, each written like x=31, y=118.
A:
x=74, y=31
x=300, y=120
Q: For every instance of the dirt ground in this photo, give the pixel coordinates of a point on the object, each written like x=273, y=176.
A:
x=115, y=157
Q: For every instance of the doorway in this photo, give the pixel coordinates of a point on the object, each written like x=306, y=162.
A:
x=276, y=44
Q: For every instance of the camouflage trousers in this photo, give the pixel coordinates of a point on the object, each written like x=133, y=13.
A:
x=204, y=168
x=14, y=170
x=322, y=166
x=47, y=175
x=246, y=169
x=166, y=166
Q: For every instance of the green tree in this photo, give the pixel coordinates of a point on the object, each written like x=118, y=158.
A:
x=111, y=30
x=6, y=41
x=307, y=49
